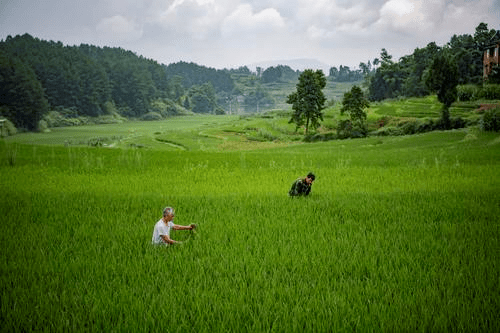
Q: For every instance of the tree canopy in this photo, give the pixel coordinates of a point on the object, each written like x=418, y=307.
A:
x=354, y=103
x=308, y=100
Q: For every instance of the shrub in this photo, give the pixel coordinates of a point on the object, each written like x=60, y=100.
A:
x=468, y=92
x=490, y=91
x=152, y=116
x=458, y=122
x=42, y=126
x=388, y=131
x=348, y=129
x=8, y=128
x=426, y=125
x=410, y=126
x=109, y=119
x=344, y=129
x=266, y=135
x=62, y=118
x=491, y=120
x=319, y=137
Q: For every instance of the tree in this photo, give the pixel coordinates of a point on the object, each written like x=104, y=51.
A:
x=21, y=95
x=355, y=103
x=271, y=74
x=308, y=101
x=203, y=98
x=482, y=35
x=388, y=79
x=442, y=78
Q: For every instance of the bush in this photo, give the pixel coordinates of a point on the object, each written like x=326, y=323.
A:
x=490, y=91
x=319, y=137
x=491, y=120
x=8, y=128
x=388, y=131
x=426, y=125
x=344, y=129
x=42, y=126
x=348, y=129
x=166, y=108
x=152, y=116
x=109, y=119
x=468, y=92
x=58, y=119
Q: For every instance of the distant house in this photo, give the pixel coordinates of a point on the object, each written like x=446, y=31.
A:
x=491, y=55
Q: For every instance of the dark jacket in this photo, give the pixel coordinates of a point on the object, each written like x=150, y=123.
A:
x=299, y=187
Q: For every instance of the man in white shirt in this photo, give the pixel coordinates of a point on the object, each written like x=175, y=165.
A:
x=161, y=232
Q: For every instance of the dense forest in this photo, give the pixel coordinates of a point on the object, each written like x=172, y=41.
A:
x=406, y=77
x=45, y=84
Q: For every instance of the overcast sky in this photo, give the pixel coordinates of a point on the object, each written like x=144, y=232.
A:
x=230, y=33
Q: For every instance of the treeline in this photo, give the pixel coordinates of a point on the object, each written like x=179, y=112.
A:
x=345, y=74
x=45, y=82
x=38, y=76
x=407, y=77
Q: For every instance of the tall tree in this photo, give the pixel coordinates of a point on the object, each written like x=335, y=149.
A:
x=354, y=103
x=442, y=78
x=21, y=95
x=308, y=101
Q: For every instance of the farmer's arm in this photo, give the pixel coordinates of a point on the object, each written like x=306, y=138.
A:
x=168, y=240
x=184, y=227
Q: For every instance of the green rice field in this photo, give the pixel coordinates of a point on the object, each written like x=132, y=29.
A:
x=399, y=234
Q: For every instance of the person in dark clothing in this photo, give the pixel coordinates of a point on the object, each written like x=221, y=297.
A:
x=302, y=186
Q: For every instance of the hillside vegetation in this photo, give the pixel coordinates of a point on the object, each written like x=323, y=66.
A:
x=45, y=84
x=263, y=130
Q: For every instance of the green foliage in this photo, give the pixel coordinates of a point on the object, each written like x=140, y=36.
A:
x=468, y=92
x=494, y=76
x=22, y=98
x=472, y=92
x=490, y=91
x=442, y=77
x=8, y=128
x=166, y=108
x=308, y=100
x=57, y=119
x=94, y=81
x=408, y=76
x=203, y=98
x=152, y=116
x=490, y=120
x=345, y=74
x=196, y=75
x=258, y=99
x=354, y=103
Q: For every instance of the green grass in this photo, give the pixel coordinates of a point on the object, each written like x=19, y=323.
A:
x=399, y=234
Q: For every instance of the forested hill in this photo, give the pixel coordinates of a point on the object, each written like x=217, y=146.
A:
x=44, y=83
x=37, y=76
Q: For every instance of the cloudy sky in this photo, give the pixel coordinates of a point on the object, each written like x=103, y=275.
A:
x=230, y=33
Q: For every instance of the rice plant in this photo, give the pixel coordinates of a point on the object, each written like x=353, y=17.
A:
x=398, y=234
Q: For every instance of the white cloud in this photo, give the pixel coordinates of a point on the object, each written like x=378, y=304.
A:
x=221, y=32
x=410, y=16
x=119, y=28
x=244, y=21
x=199, y=19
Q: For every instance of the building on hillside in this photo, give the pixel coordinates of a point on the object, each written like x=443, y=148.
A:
x=491, y=55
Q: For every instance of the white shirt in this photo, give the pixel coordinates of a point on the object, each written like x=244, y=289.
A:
x=161, y=229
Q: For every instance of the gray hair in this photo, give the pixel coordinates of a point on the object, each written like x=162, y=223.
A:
x=168, y=210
